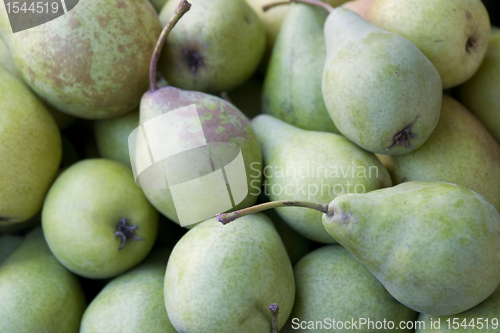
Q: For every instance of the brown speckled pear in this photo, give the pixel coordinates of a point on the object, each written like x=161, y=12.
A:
x=91, y=62
x=220, y=122
x=38, y=294
x=30, y=150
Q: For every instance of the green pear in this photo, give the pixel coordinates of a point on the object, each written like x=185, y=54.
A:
x=459, y=151
x=480, y=93
x=313, y=166
x=434, y=246
x=30, y=150
x=380, y=90
x=8, y=243
x=481, y=318
x=7, y=61
x=132, y=302
x=38, y=294
x=112, y=136
x=91, y=62
x=199, y=148
x=217, y=47
x=453, y=34
x=331, y=285
x=97, y=221
x=292, y=88
x=223, y=278
x=273, y=17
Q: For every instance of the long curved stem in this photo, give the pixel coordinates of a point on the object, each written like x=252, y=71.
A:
x=229, y=217
x=181, y=9
x=318, y=3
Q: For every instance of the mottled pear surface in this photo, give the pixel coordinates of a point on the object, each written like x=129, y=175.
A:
x=30, y=150
x=220, y=122
x=480, y=93
x=92, y=62
x=380, y=90
x=112, y=136
x=332, y=283
x=313, y=166
x=132, y=302
x=484, y=317
x=38, y=294
x=453, y=34
x=216, y=47
x=91, y=205
x=222, y=278
x=292, y=87
x=459, y=151
x=434, y=246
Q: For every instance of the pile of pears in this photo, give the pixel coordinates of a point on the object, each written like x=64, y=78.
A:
x=369, y=132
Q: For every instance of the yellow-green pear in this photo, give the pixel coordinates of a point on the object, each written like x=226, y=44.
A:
x=434, y=246
x=37, y=293
x=292, y=87
x=30, y=150
x=131, y=303
x=453, y=34
x=484, y=317
x=313, y=166
x=380, y=90
x=97, y=221
x=459, y=151
x=216, y=47
x=480, y=94
x=223, y=278
x=336, y=293
x=112, y=136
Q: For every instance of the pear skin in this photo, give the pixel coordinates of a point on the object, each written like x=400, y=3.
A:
x=313, y=166
x=38, y=294
x=112, y=136
x=453, y=34
x=434, y=246
x=459, y=151
x=382, y=93
x=483, y=317
x=222, y=278
x=480, y=93
x=30, y=147
x=332, y=284
x=292, y=87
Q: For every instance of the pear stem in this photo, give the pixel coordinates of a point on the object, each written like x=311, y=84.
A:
x=181, y=9
x=274, y=309
x=229, y=217
x=329, y=8
x=225, y=96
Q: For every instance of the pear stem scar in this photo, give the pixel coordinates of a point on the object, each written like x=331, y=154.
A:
x=229, y=217
x=126, y=232
x=403, y=137
x=181, y=9
x=274, y=309
x=318, y=3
